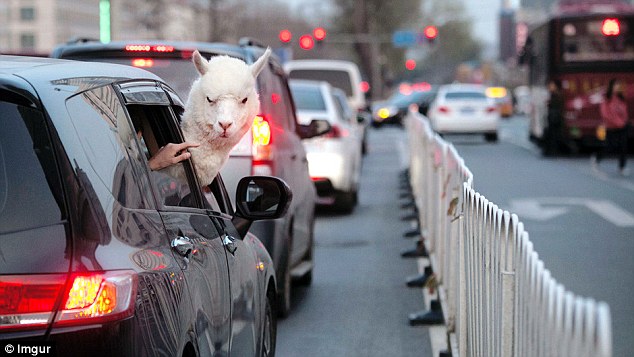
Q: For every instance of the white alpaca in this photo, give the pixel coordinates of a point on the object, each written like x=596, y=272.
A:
x=220, y=109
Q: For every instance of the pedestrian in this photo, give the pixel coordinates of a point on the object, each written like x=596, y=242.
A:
x=555, y=118
x=615, y=119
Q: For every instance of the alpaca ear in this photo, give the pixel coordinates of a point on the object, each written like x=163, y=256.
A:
x=200, y=63
x=257, y=67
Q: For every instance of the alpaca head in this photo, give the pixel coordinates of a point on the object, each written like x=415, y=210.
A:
x=223, y=101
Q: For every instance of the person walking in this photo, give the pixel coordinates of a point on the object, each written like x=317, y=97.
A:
x=615, y=119
x=555, y=119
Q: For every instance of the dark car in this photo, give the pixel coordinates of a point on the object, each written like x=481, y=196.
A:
x=274, y=147
x=99, y=255
x=394, y=109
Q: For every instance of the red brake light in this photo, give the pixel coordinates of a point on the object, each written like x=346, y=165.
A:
x=364, y=86
x=336, y=132
x=261, y=131
x=149, y=48
x=491, y=109
x=30, y=301
x=443, y=109
x=611, y=27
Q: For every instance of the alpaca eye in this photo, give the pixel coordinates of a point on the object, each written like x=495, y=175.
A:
x=244, y=100
x=210, y=101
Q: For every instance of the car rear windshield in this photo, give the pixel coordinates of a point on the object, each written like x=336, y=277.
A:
x=338, y=79
x=308, y=98
x=30, y=193
x=465, y=95
x=178, y=73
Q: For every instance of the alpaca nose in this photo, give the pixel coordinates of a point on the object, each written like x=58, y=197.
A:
x=225, y=126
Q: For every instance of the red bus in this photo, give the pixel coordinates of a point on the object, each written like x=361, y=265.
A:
x=583, y=47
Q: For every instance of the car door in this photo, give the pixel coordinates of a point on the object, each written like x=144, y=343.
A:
x=196, y=242
x=245, y=271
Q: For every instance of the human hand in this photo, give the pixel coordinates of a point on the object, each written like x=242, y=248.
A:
x=171, y=154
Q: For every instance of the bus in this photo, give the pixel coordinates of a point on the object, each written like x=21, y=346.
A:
x=583, y=48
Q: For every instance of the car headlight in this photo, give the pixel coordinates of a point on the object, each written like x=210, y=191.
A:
x=386, y=112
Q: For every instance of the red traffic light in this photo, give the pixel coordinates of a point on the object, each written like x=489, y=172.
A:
x=285, y=36
x=611, y=27
x=319, y=33
x=410, y=64
x=306, y=42
x=431, y=32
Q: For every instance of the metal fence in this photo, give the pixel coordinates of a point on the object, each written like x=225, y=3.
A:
x=497, y=297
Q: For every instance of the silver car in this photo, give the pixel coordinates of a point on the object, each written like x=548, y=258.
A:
x=334, y=158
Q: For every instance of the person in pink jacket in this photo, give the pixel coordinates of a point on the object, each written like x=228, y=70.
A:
x=615, y=118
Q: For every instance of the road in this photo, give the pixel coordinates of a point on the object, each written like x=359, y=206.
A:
x=581, y=222
x=358, y=303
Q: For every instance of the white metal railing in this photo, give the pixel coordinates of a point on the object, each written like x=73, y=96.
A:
x=498, y=299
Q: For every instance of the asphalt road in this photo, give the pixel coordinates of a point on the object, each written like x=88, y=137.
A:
x=358, y=303
x=581, y=222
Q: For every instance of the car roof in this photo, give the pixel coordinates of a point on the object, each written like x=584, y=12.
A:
x=114, y=48
x=321, y=64
x=42, y=69
x=461, y=86
x=309, y=83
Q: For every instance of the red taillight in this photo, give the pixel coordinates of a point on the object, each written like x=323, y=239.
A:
x=261, y=149
x=143, y=62
x=611, y=27
x=30, y=301
x=491, y=109
x=261, y=131
x=336, y=132
x=443, y=109
x=149, y=48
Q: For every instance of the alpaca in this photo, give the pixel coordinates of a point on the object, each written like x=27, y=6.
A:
x=220, y=109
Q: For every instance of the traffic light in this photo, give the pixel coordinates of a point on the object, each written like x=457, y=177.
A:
x=306, y=42
x=319, y=33
x=410, y=64
x=431, y=32
x=285, y=36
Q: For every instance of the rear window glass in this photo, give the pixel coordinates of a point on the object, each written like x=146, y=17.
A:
x=178, y=73
x=308, y=98
x=465, y=95
x=29, y=184
x=338, y=79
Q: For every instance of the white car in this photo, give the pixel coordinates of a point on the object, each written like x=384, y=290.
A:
x=464, y=109
x=334, y=158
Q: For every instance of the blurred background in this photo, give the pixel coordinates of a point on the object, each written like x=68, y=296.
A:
x=471, y=41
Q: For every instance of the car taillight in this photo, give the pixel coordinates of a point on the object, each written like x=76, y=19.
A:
x=336, y=131
x=443, y=109
x=143, y=62
x=29, y=301
x=261, y=148
x=491, y=109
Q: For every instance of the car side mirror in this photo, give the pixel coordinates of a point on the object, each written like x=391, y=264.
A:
x=315, y=128
x=260, y=197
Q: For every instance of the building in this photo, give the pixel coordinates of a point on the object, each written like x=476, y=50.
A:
x=36, y=26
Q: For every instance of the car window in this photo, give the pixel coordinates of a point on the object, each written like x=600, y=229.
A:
x=465, y=95
x=308, y=97
x=107, y=143
x=153, y=127
x=336, y=78
x=274, y=98
x=30, y=191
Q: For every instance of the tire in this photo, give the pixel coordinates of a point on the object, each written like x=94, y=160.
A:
x=269, y=335
x=346, y=201
x=284, y=288
x=491, y=137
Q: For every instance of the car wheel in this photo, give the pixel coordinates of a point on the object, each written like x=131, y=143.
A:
x=269, y=335
x=284, y=288
x=345, y=201
x=491, y=137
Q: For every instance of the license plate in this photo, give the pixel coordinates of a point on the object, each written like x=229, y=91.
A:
x=467, y=110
